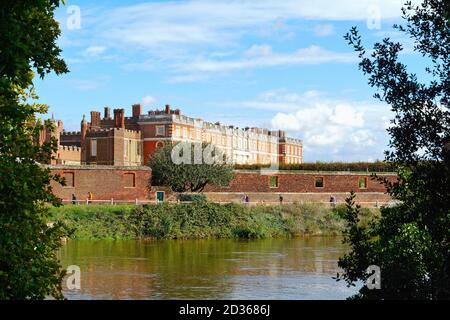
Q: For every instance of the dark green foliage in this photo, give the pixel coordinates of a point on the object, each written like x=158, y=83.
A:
x=193, y=176
x=378, y=166
x=410, y=242
x=29, y=268
x=201, y=220
x=191, y=197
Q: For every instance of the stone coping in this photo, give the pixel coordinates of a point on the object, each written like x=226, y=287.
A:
x=358, y=173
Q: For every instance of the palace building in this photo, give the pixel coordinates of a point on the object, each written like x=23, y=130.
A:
x=130, y=141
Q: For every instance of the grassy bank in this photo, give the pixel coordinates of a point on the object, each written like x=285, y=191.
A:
x=202, y=220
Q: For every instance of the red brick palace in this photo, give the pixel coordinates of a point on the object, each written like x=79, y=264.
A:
x=129, y=141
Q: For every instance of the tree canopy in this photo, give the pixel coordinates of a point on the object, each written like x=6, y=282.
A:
x=29, y=268
x=192, y=172
x=410, y=242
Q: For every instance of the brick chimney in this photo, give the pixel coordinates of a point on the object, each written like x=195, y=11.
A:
x=137, y=110
x=83, y=139
x=107, y=113
x=119, y=118
x=95, y=119
x=167, y=109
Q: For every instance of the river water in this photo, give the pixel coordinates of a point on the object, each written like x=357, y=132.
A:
x=206, y=269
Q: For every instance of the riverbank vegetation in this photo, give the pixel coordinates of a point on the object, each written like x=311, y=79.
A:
x=201, y=220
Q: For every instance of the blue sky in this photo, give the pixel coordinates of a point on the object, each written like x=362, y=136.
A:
x=268, y=63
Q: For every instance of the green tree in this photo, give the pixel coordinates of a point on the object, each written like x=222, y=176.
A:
x=410, y=242
x=29, y=268
x=190, y=174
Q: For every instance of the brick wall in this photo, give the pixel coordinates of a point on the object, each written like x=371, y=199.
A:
x=130, y=183
x=289, y=181
x=67, y=155
x=105, y=182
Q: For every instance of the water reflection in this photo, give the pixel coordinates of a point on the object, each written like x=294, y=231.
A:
x=207, y=269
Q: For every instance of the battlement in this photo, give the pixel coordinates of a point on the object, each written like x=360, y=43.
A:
x=70, y=133
x=69, y=148
x=125, y=130
x=294, y=141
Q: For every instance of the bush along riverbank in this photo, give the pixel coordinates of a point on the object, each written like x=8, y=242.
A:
x=200, y=220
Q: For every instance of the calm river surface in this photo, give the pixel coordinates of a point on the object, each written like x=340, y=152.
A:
x=207, y=269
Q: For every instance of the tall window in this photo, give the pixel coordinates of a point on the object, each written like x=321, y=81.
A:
x=273, y=181
x=185, y=135
x=126, y=148
x=319, y=182
x=160, y=130
x=129, y=180
x=70, y=179
x=177, y=131
x=362, y=182
x=93, y=147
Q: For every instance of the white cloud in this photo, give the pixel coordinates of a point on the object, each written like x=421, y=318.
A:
x=258, y=51
x=153, y=24
x=324, y=30
x=173, y=30
x=183, y=36
x=337, y=130
x=331, y=129
x=148, y=101
x=194, y=77
x=263, y=56
x=88, y=84
x=93, y=51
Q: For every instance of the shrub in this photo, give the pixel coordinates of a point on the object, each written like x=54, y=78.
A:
x=192, y=197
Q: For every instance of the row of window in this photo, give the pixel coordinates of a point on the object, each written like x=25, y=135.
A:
x=292, y=160
x=318, y=182
x=195, y=134
x=127, y=148
x=293, y=150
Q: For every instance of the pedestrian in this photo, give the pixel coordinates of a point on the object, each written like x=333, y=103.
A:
x=90, y=197
x=333, y=201
x=74, y=199
x=281, y=199
x=247, y=199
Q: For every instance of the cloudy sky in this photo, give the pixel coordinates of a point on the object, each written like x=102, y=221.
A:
x=268, y=63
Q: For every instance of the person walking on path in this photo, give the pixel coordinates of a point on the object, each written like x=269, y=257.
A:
x=333, y=201
x=90, y=197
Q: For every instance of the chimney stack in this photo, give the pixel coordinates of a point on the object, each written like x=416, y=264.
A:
x=167, y=109
x=95, y=119
x=137, y=110
x=119, y=118
x=107, y=113
x=83, y=139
